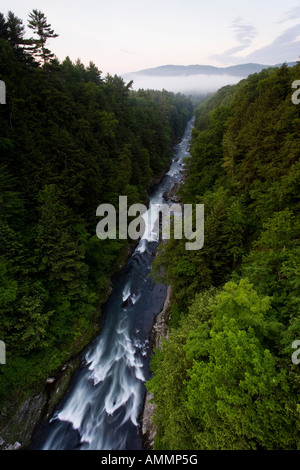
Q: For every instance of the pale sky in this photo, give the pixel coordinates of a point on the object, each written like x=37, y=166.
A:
x=122, y=36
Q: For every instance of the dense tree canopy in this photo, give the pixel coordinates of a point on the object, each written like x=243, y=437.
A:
x=224, y=379
x=70, y=140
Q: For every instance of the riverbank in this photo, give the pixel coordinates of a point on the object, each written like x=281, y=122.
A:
x=27, y=412
x=159, y=331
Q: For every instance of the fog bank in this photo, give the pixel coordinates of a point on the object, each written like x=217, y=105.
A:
x=190, y=85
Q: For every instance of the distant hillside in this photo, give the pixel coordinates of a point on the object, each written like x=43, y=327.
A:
x=243, y=70
x=224, y=378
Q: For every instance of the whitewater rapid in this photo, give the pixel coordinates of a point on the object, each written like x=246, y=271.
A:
x=102, y=407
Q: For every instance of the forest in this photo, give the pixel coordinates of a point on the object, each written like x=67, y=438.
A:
x=70, y=140
x=224, y=378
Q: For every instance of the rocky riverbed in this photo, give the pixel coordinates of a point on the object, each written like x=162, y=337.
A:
x=159, y=331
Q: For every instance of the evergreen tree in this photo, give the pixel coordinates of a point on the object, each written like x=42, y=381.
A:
x=224, y=378
x=15, y=28
x=12, y=30
x=68, y=143
x=38, y=23
x=3, y=27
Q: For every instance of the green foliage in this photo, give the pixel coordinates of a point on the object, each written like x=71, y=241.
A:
x=238, y=397
x=216, y=385
x=224, y=234
x=70, y=141
x=234, y=385
x=170, y=367
x=38, y=23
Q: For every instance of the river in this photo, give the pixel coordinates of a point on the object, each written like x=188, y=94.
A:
x=102, y=407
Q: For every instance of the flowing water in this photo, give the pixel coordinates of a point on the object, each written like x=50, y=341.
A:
x=102, y=407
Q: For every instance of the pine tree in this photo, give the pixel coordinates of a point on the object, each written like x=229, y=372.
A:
x=15, y=30
x=38, y=23
x=3, y=27
x=12, y=30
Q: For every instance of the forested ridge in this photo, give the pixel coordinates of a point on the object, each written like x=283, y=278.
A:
x=224, y=378
x=70, y=140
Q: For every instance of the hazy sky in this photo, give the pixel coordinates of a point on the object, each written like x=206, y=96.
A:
x=128, y=35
